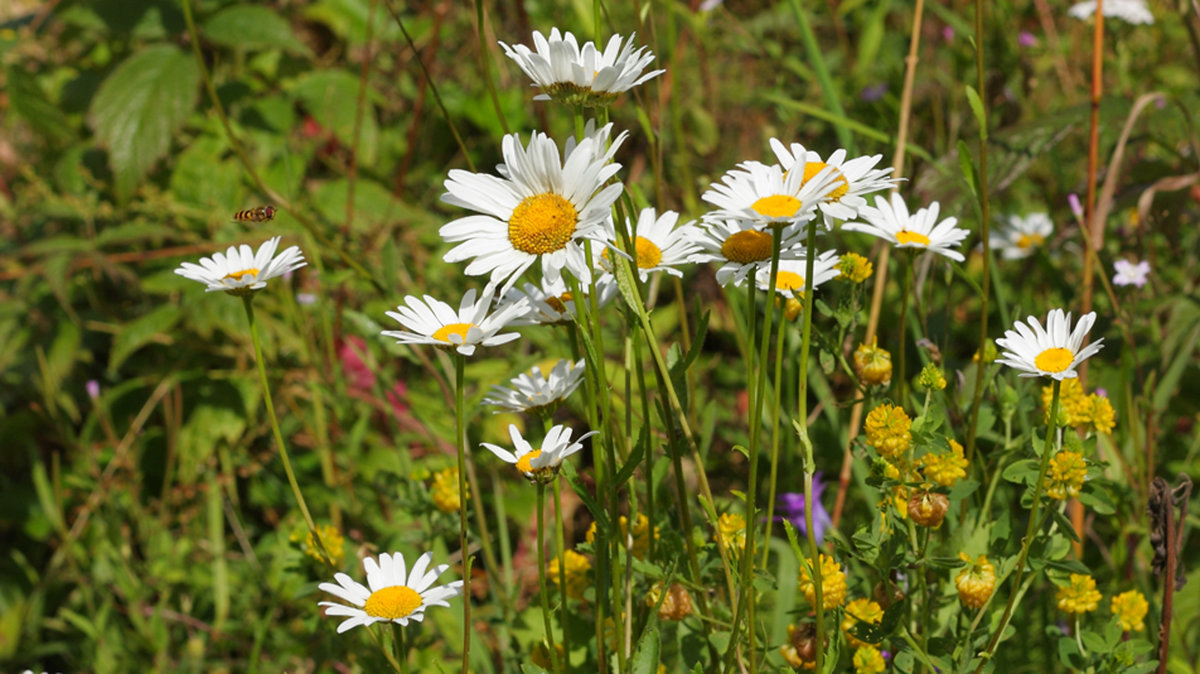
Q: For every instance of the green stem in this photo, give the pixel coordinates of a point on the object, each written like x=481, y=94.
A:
x=1027, y=542
x=401, y=647
x=541, y=564
x=248, y=303
x=901, y=372
x=776, y=437
x=806, y=442
x=984, y=226
x=560, y=543
x=461, y=442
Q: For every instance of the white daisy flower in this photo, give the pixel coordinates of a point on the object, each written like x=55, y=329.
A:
x=535, y=393
x=240, y=270
x=584, y=75
x=540, y=209
x=431, y=321
x=659, y=244
x=741, y=248
x=1130, y=11
x=539, y=465
x=1130, y=274
x=1020, y=236
x=396, y=594
x=853, y=178
x=553, y=303
x=789, y=282
x=767, y=195
x=1054, y=351
x=891, y=222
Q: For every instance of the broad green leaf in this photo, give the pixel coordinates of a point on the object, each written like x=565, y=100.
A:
x=30, y=102
x=140, y=332
x=331, y=96
x=139, y=107
x=252, y=26
x=645, y=659
x=966, y=164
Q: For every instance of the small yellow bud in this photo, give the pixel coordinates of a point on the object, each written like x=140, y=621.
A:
x=873, y=365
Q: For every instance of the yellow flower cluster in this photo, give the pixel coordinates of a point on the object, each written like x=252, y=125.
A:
x=872, y=364
x=444, y=490
x=860, y=610
x=854, y=268
x=945, y=469
x=1130, y=609
x=676, y=605
x=577, y=569
x=641, y=534
x=1080, y=596
x=833, y=583
x=733, y=531
x=1066, y=475
x=868, y=660
x=331, y=539
x=887, y=430
x=1093, y=413
x=931, y=378
x=976, y=582
x=800, y=649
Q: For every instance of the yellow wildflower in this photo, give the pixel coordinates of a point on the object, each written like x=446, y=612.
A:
x=888, y=430
x=868, y=660
x=931, y=378
x=676, y=605
x=541, y=655
x=733, y=531
x=833, y=583
x=800, y=649
x=1130, y=609
x=990, y=354
x=945, y=469
x=928, y=508
x=1067, y=472
x=331, y=539
x=872, y=364
x=860, y=610
x=577, y=569
x=1080, y=596
x=641, y=534
x=1098, y=415
x=854, y=268
x=1071, y=402
x=445, y=490
x=792, y=308
x=976, y=582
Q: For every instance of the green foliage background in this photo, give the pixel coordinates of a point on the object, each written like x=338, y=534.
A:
x=150, y=528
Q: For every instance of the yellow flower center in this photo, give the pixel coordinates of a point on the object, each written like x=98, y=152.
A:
x=542, y=224
x=237, y=275
x=649, y=255
x=746, y=247
x=789, y=280
x=524, y=464
x=559, y=303
x=777, y=206
x=397, y=601
x=1055, y=359
x=1028, y=241
x=812, y=168
x=443, y=333
x=911, y=238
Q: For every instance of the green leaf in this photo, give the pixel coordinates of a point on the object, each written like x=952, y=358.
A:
x=967, y=166
x=1023, y=471
x=139, y=107
x=140, y=332
x=251, y=26
x=645, y=659
x=331, y=96
x=30, y=102
x=977, y=108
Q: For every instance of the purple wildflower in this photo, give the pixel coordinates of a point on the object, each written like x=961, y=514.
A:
x=873, y=92
x=1026, y=39
x=791, y=508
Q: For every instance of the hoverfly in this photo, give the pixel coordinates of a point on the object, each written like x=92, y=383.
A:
x=260, y=214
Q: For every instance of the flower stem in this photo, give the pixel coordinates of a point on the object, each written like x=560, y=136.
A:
x=541, y=564
x=806, y=442
x=461, y=442
x=901, y=373
x=1027, y=542
x=247, y=302
x=559, y=541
